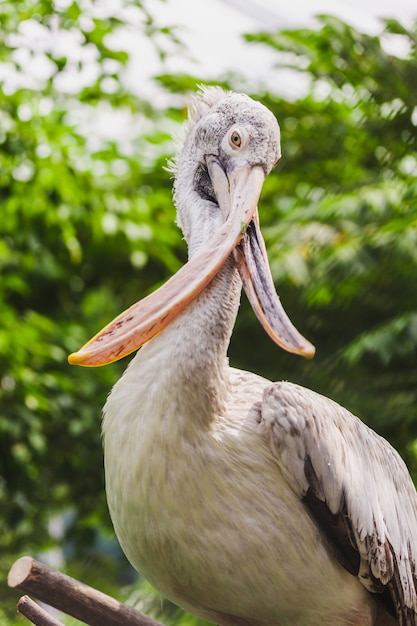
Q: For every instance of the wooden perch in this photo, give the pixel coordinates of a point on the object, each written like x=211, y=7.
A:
x=72, y=596
x=35, y=613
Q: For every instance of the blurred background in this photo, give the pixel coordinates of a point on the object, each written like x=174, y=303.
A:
x=91, y=93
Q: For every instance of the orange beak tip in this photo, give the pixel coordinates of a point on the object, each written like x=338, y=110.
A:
x=307, y=349
x=309, y=352
x=75, y=358
x=84, y=357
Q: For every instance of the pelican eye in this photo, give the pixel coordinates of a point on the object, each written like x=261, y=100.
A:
x=235, y=139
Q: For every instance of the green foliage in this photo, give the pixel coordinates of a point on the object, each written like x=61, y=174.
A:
x=341, y=220
x=82, y=209
x=87, y=228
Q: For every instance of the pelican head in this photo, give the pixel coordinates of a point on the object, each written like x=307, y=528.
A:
x=228, y=139
x=230, y=145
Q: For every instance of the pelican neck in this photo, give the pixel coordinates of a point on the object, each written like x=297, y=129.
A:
x=191, y=352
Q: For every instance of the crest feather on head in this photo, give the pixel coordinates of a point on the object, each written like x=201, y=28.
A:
x=203, y=100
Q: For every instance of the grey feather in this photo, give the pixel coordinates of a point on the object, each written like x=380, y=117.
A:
x=333, y=458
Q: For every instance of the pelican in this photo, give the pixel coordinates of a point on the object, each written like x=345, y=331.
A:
x=243, y=501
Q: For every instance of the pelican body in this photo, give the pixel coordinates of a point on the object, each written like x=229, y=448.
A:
x=245, y=502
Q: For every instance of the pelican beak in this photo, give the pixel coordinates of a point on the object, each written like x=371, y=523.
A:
x=237, y=193
x=252, y=262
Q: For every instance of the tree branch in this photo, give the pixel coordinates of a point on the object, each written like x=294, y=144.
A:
x=72, y=596
x=35, y=614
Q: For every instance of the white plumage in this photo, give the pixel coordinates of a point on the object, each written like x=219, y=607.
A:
x=244, y=501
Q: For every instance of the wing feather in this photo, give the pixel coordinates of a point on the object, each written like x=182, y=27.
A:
x=355, y=484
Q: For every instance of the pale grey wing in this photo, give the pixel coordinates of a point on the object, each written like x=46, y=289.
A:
x=355, y=483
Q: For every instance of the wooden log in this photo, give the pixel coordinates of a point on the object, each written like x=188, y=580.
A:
x=72, y=596
x=35, y=614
